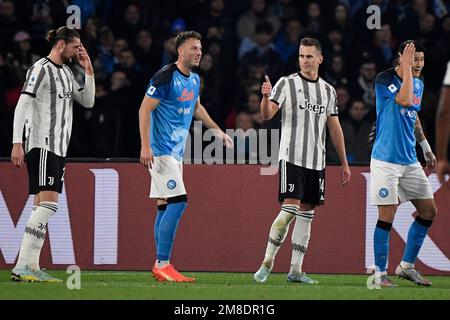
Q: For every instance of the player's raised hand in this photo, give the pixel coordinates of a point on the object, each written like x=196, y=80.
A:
x=17, y=155
x=266, y=87
x=346, y=174
x=407, y=57
x=147, y=158
x=84, y=60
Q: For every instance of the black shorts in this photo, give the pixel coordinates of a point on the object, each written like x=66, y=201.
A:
x=300, y=183
x=45, y=171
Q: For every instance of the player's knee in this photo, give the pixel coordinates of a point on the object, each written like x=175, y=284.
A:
x=51, y=196
x=50, y=205
x=177, y=199
x=307, y=207
x=429, y=213
x=161, y=202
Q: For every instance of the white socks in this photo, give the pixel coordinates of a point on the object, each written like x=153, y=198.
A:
x=406, y=265
x=34, y=235
x=278, y=232
x=300, y=240
x=161, y=263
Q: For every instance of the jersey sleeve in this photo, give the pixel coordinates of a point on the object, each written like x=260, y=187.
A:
x=159, y=85
x=384, y=88
x=35, y=80
x=278, y=95
x=332, y=108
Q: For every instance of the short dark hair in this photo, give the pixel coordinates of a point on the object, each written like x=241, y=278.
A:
x=263, y=27
x=182, y=37
x=308, y=42
x=63, y=33
x=418, y=45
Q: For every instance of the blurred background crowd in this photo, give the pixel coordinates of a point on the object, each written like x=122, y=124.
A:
x=128, y=41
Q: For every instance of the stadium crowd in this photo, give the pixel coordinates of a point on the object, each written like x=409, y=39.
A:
x=128, y=41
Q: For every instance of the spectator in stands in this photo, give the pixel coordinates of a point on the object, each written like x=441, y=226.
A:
x=9, y=24
x=356, y=131
x=105, y=59
x=384, y=48
x=131, y=23
x=286, y=42
x=284, y=9
x=169, y=53
x=263, y=54
x=343, y=96
x=364, y=87
x=335, y=73
x=314, y=22
x=22, y=55
x=211, y=89
x=146, y=52
x=258, y=12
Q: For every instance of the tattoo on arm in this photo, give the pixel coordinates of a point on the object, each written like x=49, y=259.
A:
x=418, y=131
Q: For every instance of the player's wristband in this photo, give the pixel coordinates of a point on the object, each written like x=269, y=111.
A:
x=425, y=146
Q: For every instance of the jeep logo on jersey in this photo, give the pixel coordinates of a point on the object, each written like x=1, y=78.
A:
x=186, y=95
x=65, y=95
x=316, y=108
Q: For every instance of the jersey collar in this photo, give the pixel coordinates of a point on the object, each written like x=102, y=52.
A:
x=181, y=72
x=55, y=64
x=306, y=79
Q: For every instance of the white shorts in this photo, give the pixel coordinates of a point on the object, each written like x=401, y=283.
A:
x=166, y=178
x=392, y=183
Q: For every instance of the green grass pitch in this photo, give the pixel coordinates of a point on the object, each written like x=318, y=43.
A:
x=218, y=286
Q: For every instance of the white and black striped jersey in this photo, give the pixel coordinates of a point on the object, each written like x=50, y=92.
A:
x=305, y=106
x=49, y=120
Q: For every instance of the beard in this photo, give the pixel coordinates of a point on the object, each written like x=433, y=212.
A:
x=66, y=60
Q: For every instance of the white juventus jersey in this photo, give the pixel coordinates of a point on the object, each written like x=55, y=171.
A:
x=49, y=120
x=305, y=106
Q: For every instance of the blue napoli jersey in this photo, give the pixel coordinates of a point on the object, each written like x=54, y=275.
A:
x=395, y=141
x=170, y=121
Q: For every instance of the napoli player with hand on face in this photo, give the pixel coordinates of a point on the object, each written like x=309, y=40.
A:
x=396, y=174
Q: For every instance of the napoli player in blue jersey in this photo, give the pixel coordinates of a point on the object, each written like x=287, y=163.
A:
x=166, y=112
x=396, y=174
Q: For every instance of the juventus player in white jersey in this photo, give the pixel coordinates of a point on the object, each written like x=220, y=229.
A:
x=45, y=110
x=308, y=104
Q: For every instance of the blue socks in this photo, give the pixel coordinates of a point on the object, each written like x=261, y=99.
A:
x=416, y=235
x=159, y=215
x=381, y=244
x=168, y=225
